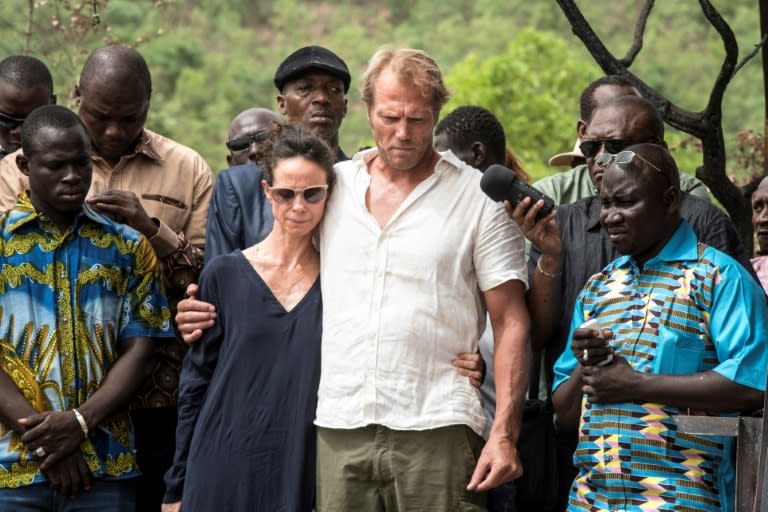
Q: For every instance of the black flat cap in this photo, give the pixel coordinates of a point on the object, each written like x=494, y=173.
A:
x=311, y=57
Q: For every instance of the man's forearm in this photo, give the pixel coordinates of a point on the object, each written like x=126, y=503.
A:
x=544, y=301
x=510, y=357
x=121, y=383
x=706, y=391
x=13, y=405
x=567, y=401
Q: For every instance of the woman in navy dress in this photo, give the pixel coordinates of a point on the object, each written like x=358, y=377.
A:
x=245, y=438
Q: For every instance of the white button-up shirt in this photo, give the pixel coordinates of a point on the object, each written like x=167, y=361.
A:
x=401, y=302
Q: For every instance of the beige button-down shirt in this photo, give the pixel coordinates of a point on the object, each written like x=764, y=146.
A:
x=401, y=302
x=174, y=185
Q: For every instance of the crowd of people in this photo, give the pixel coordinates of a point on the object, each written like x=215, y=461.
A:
x=309, y=330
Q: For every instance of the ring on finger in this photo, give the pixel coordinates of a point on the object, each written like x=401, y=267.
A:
x=585, y=354
x=40, y=452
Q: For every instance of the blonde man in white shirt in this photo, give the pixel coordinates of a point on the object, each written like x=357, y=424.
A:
x=412, y=253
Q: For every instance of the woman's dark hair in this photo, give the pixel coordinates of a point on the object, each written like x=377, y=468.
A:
x=290, y=140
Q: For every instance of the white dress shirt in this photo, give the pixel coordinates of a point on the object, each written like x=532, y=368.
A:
x=401, y=302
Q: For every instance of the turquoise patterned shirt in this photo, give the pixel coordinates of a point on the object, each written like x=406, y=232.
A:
x=690, y=309
x=66, y=300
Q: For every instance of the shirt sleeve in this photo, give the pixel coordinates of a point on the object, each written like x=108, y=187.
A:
x=145, y=306
x=196, y=373
x=694, y=186
x=12, y=182
x=225, y=220
x=566, y=363
x=499, y=254
x=181, y=254
x=738, y=326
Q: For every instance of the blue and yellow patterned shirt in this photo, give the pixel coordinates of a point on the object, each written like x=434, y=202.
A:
x=689, y=309
x=66, y=300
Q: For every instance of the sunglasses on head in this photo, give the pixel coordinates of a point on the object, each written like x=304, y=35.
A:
x=589, y=148
x=243, y=143
x=10, y=122
x=312, y=195
x=623, y=159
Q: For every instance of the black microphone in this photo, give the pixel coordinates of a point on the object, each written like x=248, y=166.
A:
x=500, y=183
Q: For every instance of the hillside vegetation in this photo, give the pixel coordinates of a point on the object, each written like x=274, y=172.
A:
x=211, y=59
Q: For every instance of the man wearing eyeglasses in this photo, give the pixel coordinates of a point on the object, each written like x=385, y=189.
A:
x=574, y=184
x=571, y=247
x=25, y=84
x=247, y=132
x=681, y=329
x=312, y=83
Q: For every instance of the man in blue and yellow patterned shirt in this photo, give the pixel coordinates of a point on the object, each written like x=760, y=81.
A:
x=685, y=331
x=80, y=301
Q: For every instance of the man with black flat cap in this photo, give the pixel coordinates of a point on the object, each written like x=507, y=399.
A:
x=312, y=83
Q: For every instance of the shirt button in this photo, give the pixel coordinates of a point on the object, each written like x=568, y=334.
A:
x=609, y=458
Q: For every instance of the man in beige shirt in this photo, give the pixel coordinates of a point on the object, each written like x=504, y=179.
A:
x=158, y=187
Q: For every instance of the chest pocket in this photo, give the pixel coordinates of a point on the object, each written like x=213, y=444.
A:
x=172, y=211
x=683, y=337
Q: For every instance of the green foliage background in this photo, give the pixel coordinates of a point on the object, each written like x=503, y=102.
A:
x=211, y=59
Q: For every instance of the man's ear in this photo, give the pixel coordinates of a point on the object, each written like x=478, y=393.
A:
x=23, y=164
x=478, y=154
x=344, y=114
x=229, y=160
x=672, y=198
x=281, y=104
x=581, y=128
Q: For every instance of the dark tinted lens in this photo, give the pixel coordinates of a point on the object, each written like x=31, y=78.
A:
x=10, y=122
x=283, y=195
x=314, y=194
x=589, y=148
x=239, y=144
x=616, y=145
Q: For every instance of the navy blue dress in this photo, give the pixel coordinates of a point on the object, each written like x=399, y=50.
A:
x=247, y=397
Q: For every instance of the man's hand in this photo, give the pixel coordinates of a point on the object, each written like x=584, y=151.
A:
x=610, y=384
x=171, y=507
x=124, y=207
x=589, y=349
x=194, y=316
x=544, y=234
x=70, y=475
x=498, y=464
x=471, y=366
x=57, y=433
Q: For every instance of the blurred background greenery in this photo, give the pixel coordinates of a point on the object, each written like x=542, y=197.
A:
x=211, y=59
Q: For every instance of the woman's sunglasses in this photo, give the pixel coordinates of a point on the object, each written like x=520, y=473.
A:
x=312, y=195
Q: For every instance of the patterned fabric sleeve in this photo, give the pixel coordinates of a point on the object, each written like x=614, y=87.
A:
x=145, y=308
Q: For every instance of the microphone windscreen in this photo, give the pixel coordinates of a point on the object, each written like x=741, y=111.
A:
x=497, y=181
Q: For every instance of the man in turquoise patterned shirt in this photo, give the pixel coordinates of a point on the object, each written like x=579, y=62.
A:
x=80, y=301
x=684, y=331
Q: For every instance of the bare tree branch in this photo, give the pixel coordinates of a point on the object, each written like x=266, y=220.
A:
x=759, y=46
x=637, y=43
x=705, y=125
x=28, y=31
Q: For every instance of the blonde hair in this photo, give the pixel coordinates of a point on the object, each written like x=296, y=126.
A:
x=412, y=67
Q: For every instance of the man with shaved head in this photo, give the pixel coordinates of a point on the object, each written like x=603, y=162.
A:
x=681, y=328
x=160, y=188
x=247, y=133
x=25, y=84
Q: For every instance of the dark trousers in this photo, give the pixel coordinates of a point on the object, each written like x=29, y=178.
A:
x=566, y=446
x=155, y=431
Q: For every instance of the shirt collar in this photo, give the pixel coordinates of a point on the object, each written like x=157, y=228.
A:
x=144, y=147
x=682, y=246
x=447, y=161
x=24, y=212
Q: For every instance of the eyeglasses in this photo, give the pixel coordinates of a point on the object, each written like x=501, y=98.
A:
x=312, y=195
x=10, y=122
x=590, y=148
x=623, y=159
x=243, y=143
